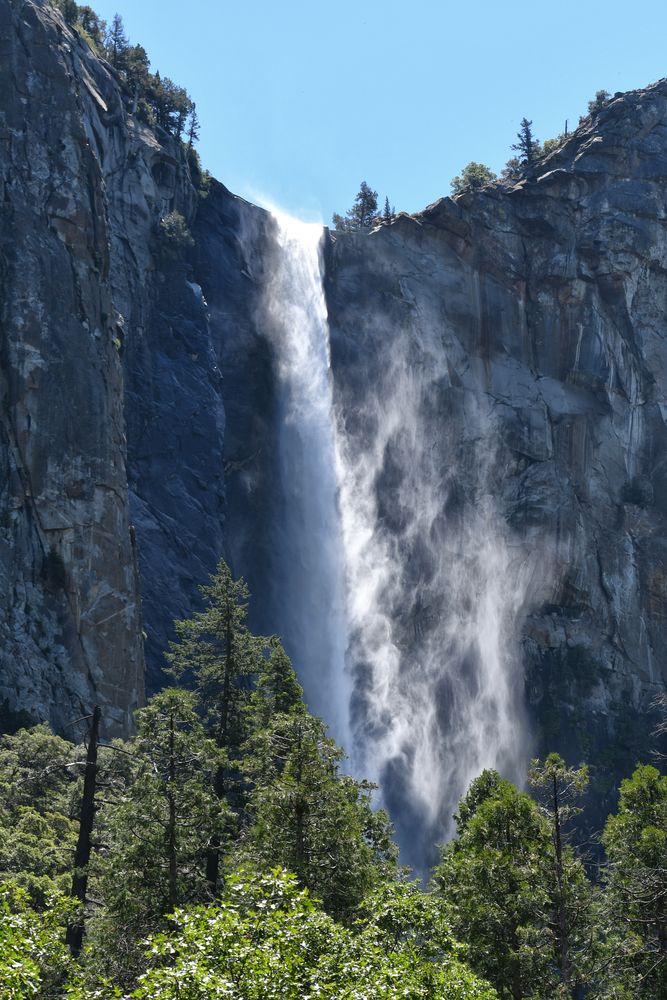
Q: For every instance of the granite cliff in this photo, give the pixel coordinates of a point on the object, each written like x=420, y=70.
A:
x=138, y=419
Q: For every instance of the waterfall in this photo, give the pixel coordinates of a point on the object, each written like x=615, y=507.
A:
x=436, y=589
x=310, y=586
x=403, y=588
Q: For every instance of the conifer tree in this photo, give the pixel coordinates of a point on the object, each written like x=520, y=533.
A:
x=493, y=879
x=310, y=818
x=157, y=831
x=527, y=146
x=217, y=652
x=363, y=213
x=193, y=127
x=635, y=839
x=559, y=788
x=116, y=42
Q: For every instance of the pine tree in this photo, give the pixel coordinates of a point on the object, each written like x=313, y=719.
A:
x=558, y=788
x=218, y=653
x=493, y=878
x=116, y=42
x=309, y=818
x=157, y=832
x=363, y=213
x=635, y=839
x=527, y=146
x=193, y=127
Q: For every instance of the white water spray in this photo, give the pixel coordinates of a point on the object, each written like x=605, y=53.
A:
x=436, y=591
x=396, y=558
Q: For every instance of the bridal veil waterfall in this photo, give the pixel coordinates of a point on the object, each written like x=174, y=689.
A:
x=311, y=577
x=402, y=590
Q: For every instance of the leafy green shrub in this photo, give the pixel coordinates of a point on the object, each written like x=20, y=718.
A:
x=174, y=236
x=472, y=177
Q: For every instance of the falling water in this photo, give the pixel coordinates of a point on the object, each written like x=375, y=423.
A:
x=436, y=589
x=311, y=586
x=403, y=587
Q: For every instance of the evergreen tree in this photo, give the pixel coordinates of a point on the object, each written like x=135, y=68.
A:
x=157, y=832
x=558, y=788
x=309, y=818
x=116, y=43
x=527, y=146
x=635, y=839
x=363, y=213
x=277, y=691
x=193, y=127
x=473, y=177
x=218, y=653
x=512, y=170
x=136, y=68
x=70, y=12
x=493, y=878
x=93, y=26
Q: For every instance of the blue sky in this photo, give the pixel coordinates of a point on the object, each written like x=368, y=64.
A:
x=300, y=101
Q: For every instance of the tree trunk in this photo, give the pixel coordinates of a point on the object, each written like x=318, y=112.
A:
x=563, y=934
x=171, y=828
x=75, y=931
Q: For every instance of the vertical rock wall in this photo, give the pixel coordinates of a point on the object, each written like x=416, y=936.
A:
x=549, y=303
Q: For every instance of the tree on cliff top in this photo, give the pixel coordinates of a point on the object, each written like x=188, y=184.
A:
x=472, y=178
x=363, y=213
x=527, y=146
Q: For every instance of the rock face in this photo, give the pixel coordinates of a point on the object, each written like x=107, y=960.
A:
x=112, y=420
x=70, y=621
x=548, y=302
x=138, y=418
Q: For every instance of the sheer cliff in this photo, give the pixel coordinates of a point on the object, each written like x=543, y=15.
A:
x=547, y=303
x=138, y=426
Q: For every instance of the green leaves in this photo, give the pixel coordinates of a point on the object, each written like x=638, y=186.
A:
x=473, y=177
x=636, y=843
x=33, y=956
x=268, y=940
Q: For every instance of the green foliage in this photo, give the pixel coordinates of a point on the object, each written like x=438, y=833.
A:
x=174, y=236
x=493, y=879
x=571, y=914
x=216, y=650
x=38, y=784
x=277, y=690
x=601, y=98
x=157, y=100
x=512, y=171
x=236, y=774
x=550, y=145
x=473, y=177
x=526, y=146
x=170, y=104
x=33, y=959
x=157, y=830
x=268, y=940
x=311, y=819
x=636, y=843
x=362, y=215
